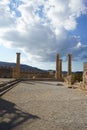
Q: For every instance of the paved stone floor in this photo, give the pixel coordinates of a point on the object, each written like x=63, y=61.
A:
x=43, y=105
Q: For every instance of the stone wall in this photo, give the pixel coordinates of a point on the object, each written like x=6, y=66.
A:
x=83, y=84
x=6, y=72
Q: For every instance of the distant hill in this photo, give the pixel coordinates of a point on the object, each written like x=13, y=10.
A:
x=79, y=72
x=23, y=66
x=30, y=68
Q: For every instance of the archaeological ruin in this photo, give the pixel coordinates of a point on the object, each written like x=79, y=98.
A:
x=16, y=72
x=83, y=84
x=16, y=69
x=58, y=68
x=69, y=79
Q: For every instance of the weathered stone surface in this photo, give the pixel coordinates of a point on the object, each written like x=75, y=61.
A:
x=69, y=65
x=69, y=80
x=83, y=84
x=58, y=68
x=85, y=66
x=85, y=78
x=16, y=69
x=43, y=106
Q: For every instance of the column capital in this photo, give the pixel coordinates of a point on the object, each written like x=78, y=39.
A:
x=18, y=53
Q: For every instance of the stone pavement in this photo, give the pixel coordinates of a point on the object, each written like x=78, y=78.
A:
x=41, y=105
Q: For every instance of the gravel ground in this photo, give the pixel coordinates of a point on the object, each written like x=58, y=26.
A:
x=6, y=79
x=41, y=105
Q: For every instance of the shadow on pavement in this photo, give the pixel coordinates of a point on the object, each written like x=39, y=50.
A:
x=8, y=89
x=60, y=84
x=51, y=83
x=46, y=83
x=11, y=116
x=28, y=82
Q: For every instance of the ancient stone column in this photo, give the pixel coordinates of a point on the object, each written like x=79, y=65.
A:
x=18, y=65
x=18, y=60
x=69, y=65
x=16, y=70
x=60, y=68
x=57, y=66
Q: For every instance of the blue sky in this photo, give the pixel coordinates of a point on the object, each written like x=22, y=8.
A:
x=81, y=28
x=39, y=29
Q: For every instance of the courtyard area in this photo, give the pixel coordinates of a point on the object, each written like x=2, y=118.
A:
x=42, y=105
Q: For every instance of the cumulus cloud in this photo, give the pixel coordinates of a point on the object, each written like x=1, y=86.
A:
x=6, y=19
x=41, y=27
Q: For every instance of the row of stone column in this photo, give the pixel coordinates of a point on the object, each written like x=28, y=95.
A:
x=59, y=66
x=16, y=70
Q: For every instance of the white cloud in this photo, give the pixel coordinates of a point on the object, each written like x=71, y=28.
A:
x=41, y=31
x=79, y=45
x=70, y=23
x=77, y=7
x=64, y=13
x=6, y=18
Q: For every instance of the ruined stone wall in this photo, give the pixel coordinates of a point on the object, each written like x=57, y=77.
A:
x=36, y=74
x=6, y=72
x=85, y=67
x=83, y=84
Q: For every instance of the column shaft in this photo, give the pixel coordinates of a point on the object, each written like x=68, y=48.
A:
x=16, y=69
x=57, y=66
x=69, y=64
x=60, y=66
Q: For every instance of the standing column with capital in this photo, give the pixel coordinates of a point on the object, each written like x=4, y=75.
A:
x=69, y=65
x=18, y=60
x=18, y=65
x=60, y=70
x=57, y=66
x=70, y=77
x=16, y=70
